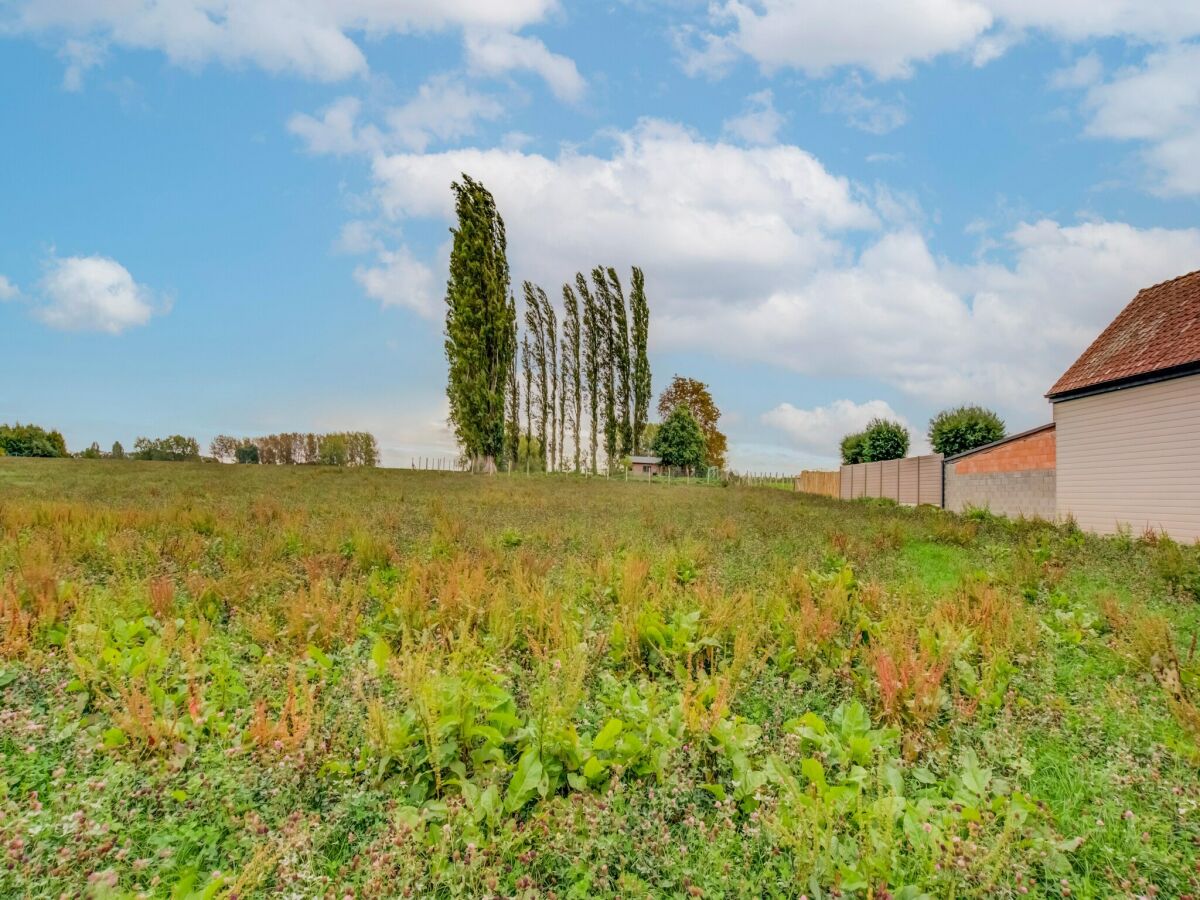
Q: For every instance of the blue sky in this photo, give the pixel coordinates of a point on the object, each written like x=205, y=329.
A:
x=231, y=215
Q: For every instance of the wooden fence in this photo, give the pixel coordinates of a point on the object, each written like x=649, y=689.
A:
x=827, y=484
x=912, y=480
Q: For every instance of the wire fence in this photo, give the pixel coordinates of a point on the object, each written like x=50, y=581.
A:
x=658, y=474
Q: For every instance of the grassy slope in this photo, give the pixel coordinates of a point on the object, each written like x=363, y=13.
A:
x=213, y=668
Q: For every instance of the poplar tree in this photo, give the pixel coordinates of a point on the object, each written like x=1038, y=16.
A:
x=527, y=366
x=593, y=355
x=621, y=361
x=640, y=310
x=608, y=371
x=550, y=322
x=536, y=327
x=480, y=342
x=572, y=383
x=512, y=434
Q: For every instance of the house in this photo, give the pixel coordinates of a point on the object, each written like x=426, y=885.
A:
x=1127, y=419
x=1014, y=476
x=645, y=465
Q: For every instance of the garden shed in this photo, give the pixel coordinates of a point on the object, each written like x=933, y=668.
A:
x=1127, y=417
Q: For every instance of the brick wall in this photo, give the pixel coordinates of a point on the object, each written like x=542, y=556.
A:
x=1036, y=451
x=1030, y=493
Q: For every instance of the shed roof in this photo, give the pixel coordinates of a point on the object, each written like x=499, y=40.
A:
x=1158, y=332
x=646, y=460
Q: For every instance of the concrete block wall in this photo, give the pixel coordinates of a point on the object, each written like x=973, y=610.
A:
x=1029, y=493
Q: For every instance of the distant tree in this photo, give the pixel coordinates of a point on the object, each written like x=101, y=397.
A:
x=964, y=428
x=593, y=355
x=175, y=448
x=92, y=452
x=223, y=447
x=117, y=451
x=32, y=440
x=333, y=450
x=884, y=440
x=246, y=454
x=639, y=309
x=695, y=396
x=572, y=360
x=480, y=344
x=649, y=432
x=854, y=448
x=680, y=440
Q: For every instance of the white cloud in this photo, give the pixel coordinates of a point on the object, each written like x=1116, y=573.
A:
x=820, y=429
x=885, y=37
x=1082, y=73
x=8, y=290
x=80, y=56
x=92, y=293
x=759, y=122
x=866, y=113
x=1157, y=103
x=400, y=280
x=496, y=53
x=753, y=254
x=443, y=109
x=889, y=37
x=311, y=38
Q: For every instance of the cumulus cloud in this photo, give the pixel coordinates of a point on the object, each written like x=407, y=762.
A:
x=92, y=293
x=311, y=38
x=398, y=279
x=443, y=109
x=762, y=254
x=1156, y=103
x=8, y=290
x=758, y=123
x=820, y=429
x=496, y=53
x=819, y=36
x=862, y=111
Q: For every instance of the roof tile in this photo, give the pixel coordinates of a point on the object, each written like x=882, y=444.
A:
x=1159, y=329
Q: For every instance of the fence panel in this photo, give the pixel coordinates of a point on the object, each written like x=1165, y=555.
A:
x=827, y=484
x=912, y=480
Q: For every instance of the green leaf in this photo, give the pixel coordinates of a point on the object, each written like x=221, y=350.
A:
x=115, y=737
x=814, y=772
x=381, y=652
x=608, y=735
x=525, y=781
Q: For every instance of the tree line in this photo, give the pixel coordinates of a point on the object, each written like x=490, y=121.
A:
x=543, y=389
x=343, y=448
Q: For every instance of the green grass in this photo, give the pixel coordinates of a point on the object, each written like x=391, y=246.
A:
x=223, y=681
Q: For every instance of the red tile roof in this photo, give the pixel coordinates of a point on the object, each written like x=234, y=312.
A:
x=1159, y=329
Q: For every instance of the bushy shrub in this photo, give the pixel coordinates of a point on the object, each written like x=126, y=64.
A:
x=247, y=454
x=853, y=448
x=884, y=439
x=31, y=440
x=964, y=428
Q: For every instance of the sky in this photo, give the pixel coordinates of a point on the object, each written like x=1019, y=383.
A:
x=232, y=216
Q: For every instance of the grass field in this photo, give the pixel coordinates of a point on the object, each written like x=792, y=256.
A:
x=229, y=681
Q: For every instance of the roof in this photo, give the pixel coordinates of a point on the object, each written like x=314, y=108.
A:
x=646, y=460
x=1049, y=426
x=1158, y=332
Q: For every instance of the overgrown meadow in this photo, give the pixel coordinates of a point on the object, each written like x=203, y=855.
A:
x=221, y=681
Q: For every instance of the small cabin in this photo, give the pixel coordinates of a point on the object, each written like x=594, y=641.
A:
x=646, y=465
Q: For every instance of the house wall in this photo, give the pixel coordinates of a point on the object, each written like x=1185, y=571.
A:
x=1132, y=457
x=1014, y=479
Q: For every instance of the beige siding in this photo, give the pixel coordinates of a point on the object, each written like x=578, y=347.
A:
x=1132, y=457
x=914, y=479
